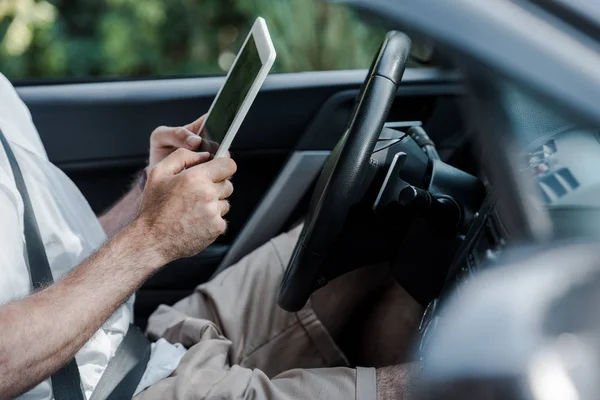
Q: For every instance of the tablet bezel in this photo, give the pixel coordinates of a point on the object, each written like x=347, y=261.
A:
x=267, y=54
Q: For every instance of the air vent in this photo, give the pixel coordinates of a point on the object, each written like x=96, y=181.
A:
x=557, y=184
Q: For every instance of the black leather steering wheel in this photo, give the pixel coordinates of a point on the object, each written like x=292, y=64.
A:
x=341, y=183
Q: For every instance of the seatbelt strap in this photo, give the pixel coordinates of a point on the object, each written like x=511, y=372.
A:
x=125, y=369
x=66, y=383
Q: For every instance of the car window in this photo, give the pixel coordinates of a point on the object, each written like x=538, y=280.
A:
x=87, y=39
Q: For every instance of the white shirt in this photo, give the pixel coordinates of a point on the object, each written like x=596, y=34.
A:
x=70, y=232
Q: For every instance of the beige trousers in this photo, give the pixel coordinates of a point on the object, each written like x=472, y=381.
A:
x=243, y=346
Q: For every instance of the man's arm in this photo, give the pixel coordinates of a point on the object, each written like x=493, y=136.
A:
x=181, y=214
x=123, y=212
x=164, y=140
x=42, y=332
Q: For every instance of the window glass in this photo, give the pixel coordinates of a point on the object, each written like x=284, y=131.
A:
x=83, y=39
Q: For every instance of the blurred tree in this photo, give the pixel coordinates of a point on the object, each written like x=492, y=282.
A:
x=132, y=38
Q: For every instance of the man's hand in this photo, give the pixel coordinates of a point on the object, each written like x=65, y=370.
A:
x=185, y=201
x=163, y=142
x=166, y=139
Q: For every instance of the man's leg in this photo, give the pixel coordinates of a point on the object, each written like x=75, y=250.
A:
x=336, y=302
x=396, y=382
x=241, y=302
x=390, y=328
x=371, y=317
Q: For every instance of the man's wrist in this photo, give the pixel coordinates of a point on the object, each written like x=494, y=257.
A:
x=138, y=236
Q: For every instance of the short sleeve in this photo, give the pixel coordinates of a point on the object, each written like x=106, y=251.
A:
x=14, y=276
x=16, y=118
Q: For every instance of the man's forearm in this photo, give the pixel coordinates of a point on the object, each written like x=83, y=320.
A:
x=68, y=313
x=123, y=212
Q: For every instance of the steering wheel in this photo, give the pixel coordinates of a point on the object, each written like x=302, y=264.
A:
x=341, y=183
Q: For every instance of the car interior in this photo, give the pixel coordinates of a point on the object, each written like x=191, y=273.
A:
x=97, y=133
x=379, y=165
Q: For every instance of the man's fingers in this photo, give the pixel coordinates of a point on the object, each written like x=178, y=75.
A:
x=181, y=159
x=214, y=146
x=196, y=125
x=224, y=206
x=225, y=189
x=177, y=137
x=219, y=169
x=207, y=146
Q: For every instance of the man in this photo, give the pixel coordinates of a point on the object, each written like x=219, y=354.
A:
x=240, y=345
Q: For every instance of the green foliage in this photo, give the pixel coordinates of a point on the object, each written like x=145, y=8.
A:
x=81, y=38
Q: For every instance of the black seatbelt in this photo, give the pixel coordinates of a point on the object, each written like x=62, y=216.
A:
x=66, y=383
x=125, y=370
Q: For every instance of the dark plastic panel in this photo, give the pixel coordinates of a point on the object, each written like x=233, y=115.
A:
x=101, y=121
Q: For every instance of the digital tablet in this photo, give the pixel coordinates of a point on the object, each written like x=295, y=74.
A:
x=244, y=80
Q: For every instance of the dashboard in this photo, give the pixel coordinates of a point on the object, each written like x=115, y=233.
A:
x=479, y=248
x=564, y=169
